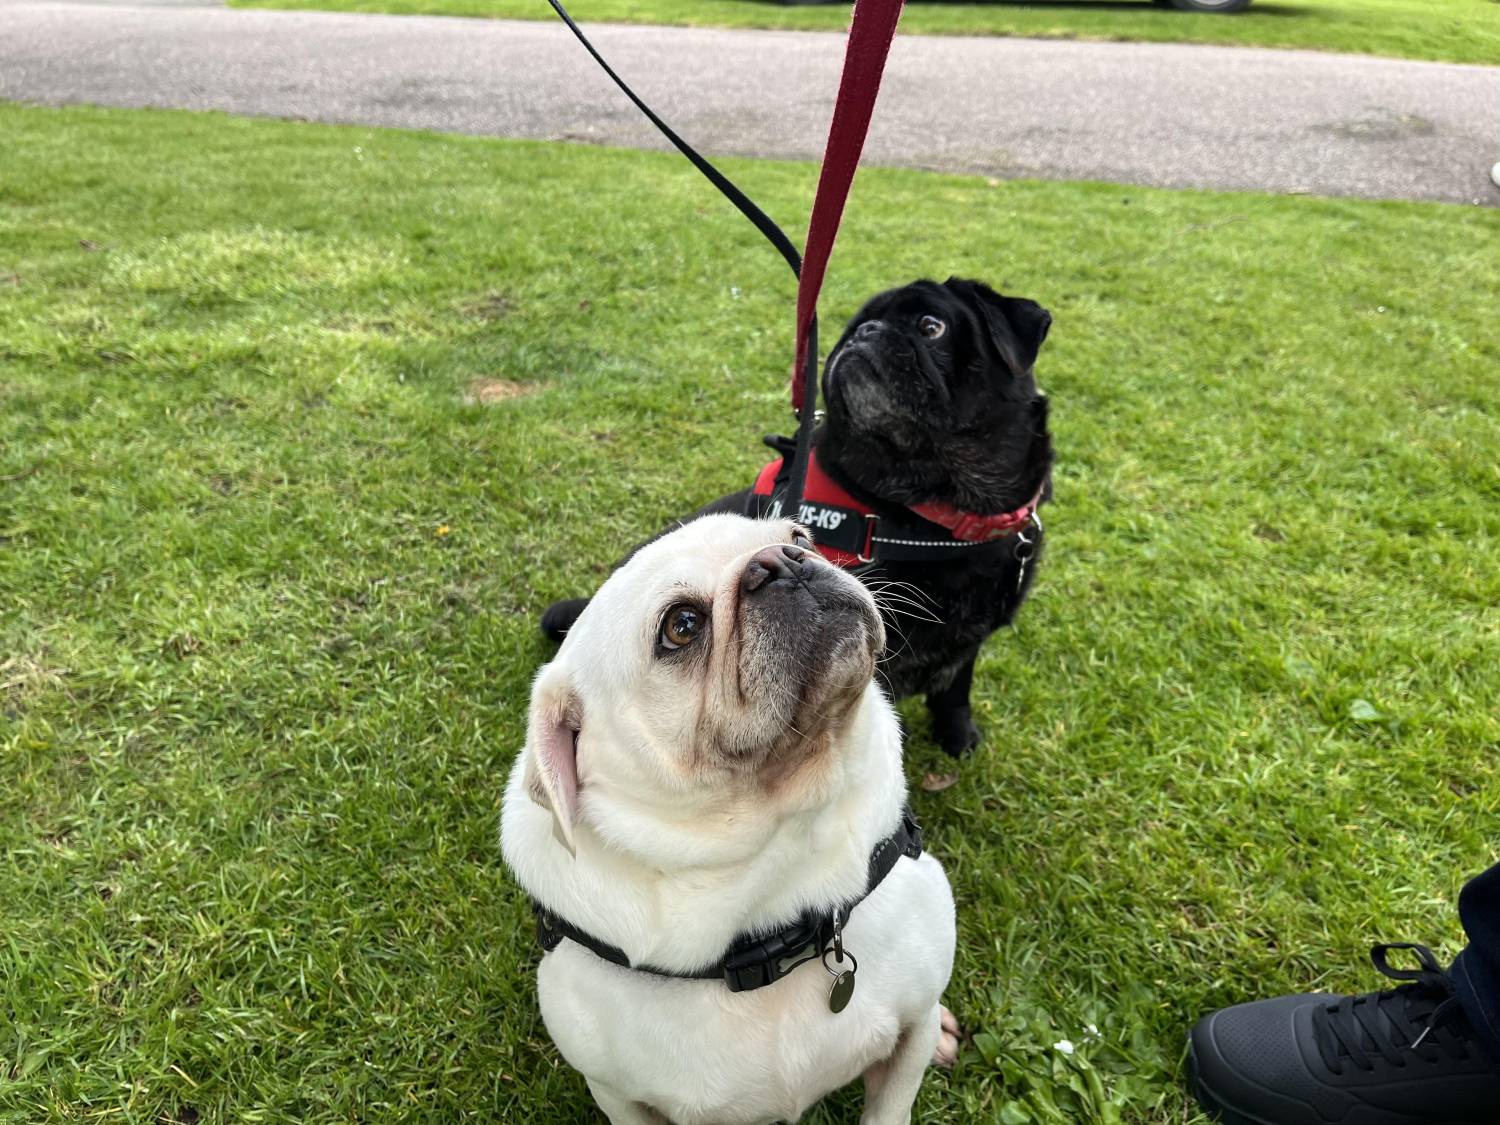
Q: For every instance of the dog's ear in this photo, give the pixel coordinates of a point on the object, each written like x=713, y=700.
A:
x=552, y=749
x=1016, y=325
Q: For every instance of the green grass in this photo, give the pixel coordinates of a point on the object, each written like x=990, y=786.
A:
x=270, y=586
x=1451, y=30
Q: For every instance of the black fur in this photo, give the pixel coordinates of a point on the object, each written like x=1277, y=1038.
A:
x=912, y=419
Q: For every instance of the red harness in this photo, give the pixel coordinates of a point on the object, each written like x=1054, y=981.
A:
x=851, y=534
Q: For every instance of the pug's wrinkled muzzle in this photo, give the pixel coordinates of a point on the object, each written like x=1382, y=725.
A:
x=797, y=603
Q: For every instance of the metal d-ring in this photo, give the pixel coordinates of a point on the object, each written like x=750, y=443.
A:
x=838, y=959
x=1024, y=541
x=1025, y=549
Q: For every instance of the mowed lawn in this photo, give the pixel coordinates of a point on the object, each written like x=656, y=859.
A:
x=301, y=426
x=1452, y=30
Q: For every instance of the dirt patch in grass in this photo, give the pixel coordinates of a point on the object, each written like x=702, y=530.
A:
x=492, y=306
x=488, y=391
x=23, y=675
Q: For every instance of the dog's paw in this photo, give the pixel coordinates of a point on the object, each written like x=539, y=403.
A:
x=937, y=782
x=957, y=733
x=945, y=1054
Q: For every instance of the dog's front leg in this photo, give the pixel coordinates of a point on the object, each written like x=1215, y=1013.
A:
x=891, y=1085
x=952, y=722
x=621, y=1110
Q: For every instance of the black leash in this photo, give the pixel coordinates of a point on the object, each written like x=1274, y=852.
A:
x=806, y=418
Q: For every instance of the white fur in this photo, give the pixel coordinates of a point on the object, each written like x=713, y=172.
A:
x=671, y=859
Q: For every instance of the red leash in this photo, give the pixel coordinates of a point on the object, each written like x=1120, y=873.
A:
x=870, y=33
x=871, y=29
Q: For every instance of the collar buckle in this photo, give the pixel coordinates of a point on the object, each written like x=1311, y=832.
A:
x=759, y=963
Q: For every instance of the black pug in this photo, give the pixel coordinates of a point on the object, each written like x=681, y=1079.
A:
x=932, y=404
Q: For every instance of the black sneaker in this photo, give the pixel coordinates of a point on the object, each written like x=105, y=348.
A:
x=1403, y=1057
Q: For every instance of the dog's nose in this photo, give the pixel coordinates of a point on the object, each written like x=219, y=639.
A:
x=781, y=563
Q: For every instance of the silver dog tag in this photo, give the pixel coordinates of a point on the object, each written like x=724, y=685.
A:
x=843, y=979
x=841, y=992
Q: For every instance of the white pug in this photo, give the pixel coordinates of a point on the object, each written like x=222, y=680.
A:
x=708, y=758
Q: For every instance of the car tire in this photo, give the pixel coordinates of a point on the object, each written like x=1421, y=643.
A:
x=1206, y=5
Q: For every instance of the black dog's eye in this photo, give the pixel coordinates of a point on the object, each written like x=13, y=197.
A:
x=681, y=626
x=931, y=327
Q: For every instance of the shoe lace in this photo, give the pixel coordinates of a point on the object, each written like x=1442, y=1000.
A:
x=1421, y=1018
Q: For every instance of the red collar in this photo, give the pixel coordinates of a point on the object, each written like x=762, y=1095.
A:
x=974, y=528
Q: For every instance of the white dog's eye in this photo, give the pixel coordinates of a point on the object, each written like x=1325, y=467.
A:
x=802, y=539
x=931, y=327
x=681, y=626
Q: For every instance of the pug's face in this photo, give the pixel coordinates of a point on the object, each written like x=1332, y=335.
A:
x=930, y=394
x=716, y=665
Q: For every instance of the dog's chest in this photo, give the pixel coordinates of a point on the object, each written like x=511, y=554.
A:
x=698, y=1053
x=702, y=1055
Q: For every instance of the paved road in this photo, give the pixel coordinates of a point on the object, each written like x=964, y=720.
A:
x=1137, y=113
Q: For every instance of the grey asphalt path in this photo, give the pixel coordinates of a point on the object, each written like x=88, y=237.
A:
x=1168, y=115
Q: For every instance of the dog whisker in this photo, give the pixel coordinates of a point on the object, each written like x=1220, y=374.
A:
x=884, y=599
x=914, y=590
x=891, y=585
x=891, y=607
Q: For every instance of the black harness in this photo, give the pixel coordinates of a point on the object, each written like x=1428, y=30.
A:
x=757, y=959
